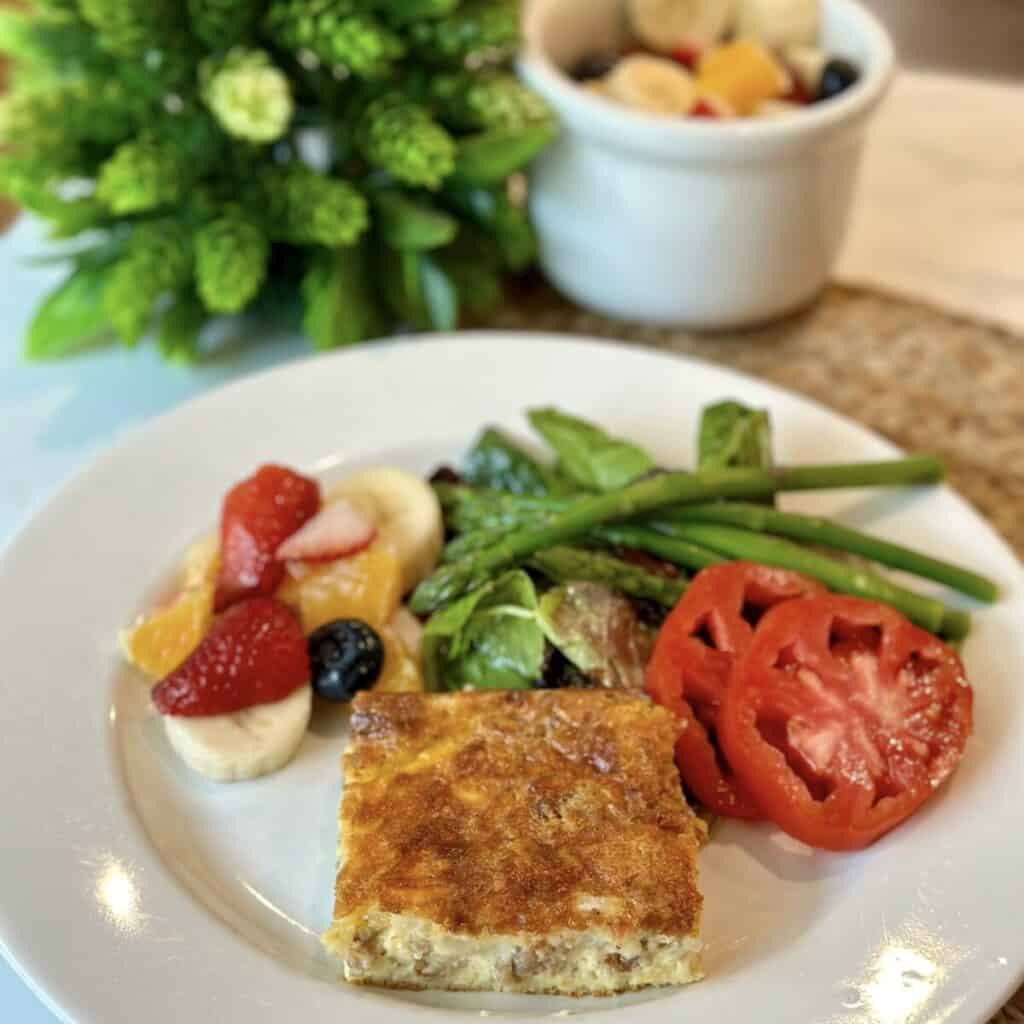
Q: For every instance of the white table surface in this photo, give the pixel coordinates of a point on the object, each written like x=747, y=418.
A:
x=55, y=416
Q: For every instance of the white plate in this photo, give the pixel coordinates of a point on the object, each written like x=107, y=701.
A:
x=132, y=891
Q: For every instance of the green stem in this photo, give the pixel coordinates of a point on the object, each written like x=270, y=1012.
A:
x=825, y=532
x=756, y=547
x=650, y=495
x=567, y=565
x=672, y=549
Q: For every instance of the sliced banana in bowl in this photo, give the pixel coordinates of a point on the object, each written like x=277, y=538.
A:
x=779, y=23
x=653, y=84
x=667, y=25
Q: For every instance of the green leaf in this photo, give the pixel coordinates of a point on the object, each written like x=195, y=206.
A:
x=598, y=630
x=495, y=462
x=488, y=640
x=440, y=296
x=494, y=213
x=341, y=305
x=180, y=326
x=406, y=223
x=590, y=457
x=473, y=263
x=418, y=289
x=734, y=436
x=488, y=158
x=71, y=317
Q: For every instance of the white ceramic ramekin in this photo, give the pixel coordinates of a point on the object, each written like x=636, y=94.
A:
x=708, y=224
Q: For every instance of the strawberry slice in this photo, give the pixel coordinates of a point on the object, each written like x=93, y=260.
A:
x=255, y=653
x=337, y=530
x=259, y=515
x=688, y=56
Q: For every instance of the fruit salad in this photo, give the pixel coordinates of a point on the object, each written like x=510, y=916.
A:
x=719, y=59
x=297, y=598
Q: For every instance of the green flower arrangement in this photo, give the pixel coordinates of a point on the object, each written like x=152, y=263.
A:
x=214, y=153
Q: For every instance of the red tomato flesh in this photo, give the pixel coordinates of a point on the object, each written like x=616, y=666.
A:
x=842, y=718
x=689, y=671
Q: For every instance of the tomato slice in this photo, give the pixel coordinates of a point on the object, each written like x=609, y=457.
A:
x=711, y=626
x=843, y=718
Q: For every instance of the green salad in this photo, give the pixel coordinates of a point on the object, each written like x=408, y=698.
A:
x=559, y=571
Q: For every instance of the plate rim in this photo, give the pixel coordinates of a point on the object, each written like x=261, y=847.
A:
x=138, y=436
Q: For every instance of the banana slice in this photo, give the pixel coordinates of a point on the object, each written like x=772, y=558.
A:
x=807, y=64
x=406, y=512
x=244, y=744
x=408, y=629
x=654, y=84
x=667, y=25
x=779, y=23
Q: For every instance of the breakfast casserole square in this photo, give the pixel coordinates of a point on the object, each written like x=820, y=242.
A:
x=527, y=841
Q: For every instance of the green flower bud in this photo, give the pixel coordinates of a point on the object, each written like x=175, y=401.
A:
x=54, y=120
x=130, y=28
x=222, y=23
x=474, y=31
x=484, y=100
x=231, y=262
x=307, y=208
x=158, y=260
x=248, y=95
x=143, y=175
x=336, y=34
x=402, y=138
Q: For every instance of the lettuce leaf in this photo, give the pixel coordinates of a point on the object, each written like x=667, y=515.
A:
x=598, y=630
x=489, y=639
x=734, y=435
x=591, y=458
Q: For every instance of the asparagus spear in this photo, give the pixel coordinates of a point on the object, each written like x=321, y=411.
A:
x=756, y=547
x=584, y=514
x=659, y=542
x=468, y=509
x=566, y=564
x=827, y=533
x=676, y=550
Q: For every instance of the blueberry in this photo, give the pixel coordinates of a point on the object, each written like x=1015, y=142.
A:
x=837, y=76
x=345, y=657
x=594, y=65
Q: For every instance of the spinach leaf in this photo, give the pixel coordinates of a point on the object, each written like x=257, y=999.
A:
x=590, y=457
x=496, y=462
x=734, y=435
x=487, y=640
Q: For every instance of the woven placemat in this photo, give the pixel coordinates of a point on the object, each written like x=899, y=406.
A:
x=924, y=380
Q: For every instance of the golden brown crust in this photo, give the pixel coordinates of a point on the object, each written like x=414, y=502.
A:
x=518, y=811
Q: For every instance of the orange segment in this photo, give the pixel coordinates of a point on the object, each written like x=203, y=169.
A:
x=161, y=641
x=743, y=74
x=400, y=672
x=366, y=586
x=202, y=562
